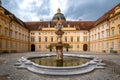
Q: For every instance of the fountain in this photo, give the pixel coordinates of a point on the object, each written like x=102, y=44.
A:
x=59, y=45
x=59, y=63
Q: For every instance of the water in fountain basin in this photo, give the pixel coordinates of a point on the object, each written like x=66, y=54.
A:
x=67, y=61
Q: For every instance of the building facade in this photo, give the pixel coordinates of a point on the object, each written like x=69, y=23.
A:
x=13, y=33
x=102, y=35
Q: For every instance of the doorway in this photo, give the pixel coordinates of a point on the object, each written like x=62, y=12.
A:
x=85, y=47
x=32, y=47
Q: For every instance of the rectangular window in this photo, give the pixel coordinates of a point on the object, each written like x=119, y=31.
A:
x=6, y=45
x=45, y=33
x=0, y=29
x=39, y=39
x=112, y=21
x=32, y=39
x=51, y=39
x=107, y=33
x=77, y=46
x=39, y=46
x=51, y=33
x=78, y=39
x=107, y=44
x=119, y=30
x=85, y=39
x=119, y=18
x=65, y=39
x=71, y=39
x=6, y=31
x=11, y=33
x=112, y=45
x=112, y=31
x=0, y=43
x=32, y=33
x=45, y=39
x=103, y=34
x=65, y=33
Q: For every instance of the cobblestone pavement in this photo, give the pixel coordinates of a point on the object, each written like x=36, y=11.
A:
x=9, y=72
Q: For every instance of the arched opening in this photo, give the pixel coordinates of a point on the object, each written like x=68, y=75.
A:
x=85, y=47
x=32, y=47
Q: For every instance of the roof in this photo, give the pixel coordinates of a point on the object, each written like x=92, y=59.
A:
x=13, y=17
x=106, y=16
x=79, y=25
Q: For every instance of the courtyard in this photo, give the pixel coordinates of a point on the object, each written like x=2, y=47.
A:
x=9, y=72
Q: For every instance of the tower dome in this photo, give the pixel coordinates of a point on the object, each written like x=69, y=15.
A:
x=58, y=16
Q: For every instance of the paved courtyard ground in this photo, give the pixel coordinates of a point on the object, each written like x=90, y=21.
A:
x=9, y=72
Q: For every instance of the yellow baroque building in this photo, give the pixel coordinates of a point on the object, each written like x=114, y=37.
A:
x=102, y=35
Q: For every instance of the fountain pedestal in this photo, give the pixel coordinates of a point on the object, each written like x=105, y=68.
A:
x=59, y=51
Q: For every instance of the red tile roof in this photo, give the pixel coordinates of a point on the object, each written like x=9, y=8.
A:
x=79, y=25
x=106, y=16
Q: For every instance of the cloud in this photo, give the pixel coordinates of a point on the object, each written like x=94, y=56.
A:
x=34, y=10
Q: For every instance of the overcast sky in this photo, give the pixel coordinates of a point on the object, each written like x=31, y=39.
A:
x=34, y=10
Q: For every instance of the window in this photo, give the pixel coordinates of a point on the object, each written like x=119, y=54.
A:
x=85, y=33
x=112, y=31
x=98, y=45
x=51, y=33
x=45, y=39
x=0, y=29
x=107, y=44
x=39, y=39
x=112, y=45
x=6, y=31
x=119, y=45
x=45, y=33
x=11, y=33
x=51, y=39
x=15, y=35
x=119, y=18
x=103, y=34
x=11, y=44
x=6, y=44
x=39, y=46
x=78, y=39
x=39, y=33
x=65, y=39
x=32, y=39
x=112, y=21
x=85, y=39
x=77, y=46
x=32, y=33
x=119, y=30
x=71, y=39
x=65, y=33
x=107, y=33
x=0, y=43
x=71, y=33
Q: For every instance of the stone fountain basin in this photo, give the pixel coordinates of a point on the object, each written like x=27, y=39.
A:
x=24, y=63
